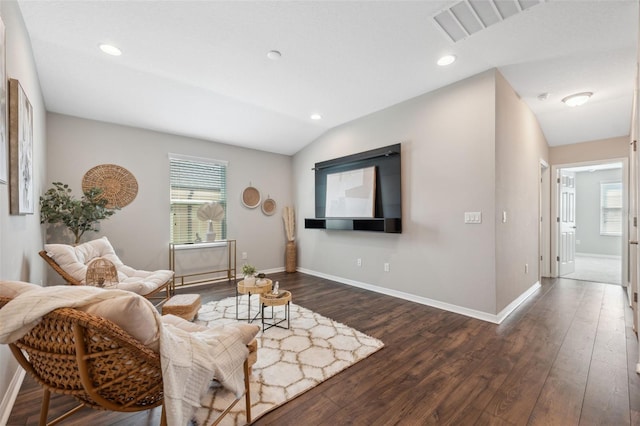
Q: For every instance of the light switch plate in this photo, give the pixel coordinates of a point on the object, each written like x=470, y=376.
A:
x=473, y=217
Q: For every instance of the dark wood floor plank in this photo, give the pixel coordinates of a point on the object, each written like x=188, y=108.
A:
x=560, y=401
x=568, y=339
x=606, y=399
x=544, y=329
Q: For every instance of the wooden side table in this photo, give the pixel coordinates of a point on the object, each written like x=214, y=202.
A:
x=283, y=298
x=254, y=289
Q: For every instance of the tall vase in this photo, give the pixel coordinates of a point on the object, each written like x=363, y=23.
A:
x=211, y=235
x=290, y=257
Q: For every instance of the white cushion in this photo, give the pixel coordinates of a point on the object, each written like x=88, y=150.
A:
x=133, y=313
x=74, y=261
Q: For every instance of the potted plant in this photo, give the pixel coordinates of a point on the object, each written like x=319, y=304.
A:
x=248, y=271
x=57, y=205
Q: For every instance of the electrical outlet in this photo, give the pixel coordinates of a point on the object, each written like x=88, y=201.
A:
x=386, y=267
x=359, y=262
x=244, y=255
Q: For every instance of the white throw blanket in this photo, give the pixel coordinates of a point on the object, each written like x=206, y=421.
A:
x=189, y=359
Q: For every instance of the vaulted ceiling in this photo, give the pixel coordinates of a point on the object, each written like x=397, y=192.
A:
x=200, y=68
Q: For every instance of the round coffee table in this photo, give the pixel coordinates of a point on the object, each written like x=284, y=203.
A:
x=283, y=298
x=241, y=289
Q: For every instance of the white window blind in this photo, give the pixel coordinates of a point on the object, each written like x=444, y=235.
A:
x=195, y=181
x=611, y=208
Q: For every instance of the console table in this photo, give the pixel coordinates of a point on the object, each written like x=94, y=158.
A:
x=205, y=276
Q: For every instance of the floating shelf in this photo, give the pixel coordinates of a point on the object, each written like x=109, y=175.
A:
x=382, y=224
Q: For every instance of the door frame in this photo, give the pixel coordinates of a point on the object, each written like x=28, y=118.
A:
x=555, y=204
x=544, y=223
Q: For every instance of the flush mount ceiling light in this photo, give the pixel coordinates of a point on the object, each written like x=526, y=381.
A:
x=316, y=117
x=446, y=60
x=110, y=49
x=274, y=55
x=577, y=99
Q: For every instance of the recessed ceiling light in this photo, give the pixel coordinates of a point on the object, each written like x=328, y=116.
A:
x=446, y=60
x=110, y=49
x=274, y=55
x=316, y=117
x=577, y=99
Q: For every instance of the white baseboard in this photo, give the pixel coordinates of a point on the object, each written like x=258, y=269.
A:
x=496, y=319
x=503, y=314
x=6, y=405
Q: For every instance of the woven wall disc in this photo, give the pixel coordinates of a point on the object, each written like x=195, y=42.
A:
x=251, y=197
x=269, y=206
x=119, y=185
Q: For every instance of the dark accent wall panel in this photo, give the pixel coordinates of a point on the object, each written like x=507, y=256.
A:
x=388, y=199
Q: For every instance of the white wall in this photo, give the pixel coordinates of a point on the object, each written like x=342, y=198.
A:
x=21, y=236
x=588, y=238
x=140, y=231
x=601, y=149
x=472, y=146
x=448, y=167
x=520, y=145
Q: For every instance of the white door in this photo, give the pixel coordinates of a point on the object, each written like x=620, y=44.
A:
x=567, y=223
x=631, y=276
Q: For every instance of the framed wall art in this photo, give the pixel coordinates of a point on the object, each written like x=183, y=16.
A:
x=351, y=193
x=4, y=147
x=21, y=198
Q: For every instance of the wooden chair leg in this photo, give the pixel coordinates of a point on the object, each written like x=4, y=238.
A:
x=163, y=417
x=247, y=390
x=44, y=410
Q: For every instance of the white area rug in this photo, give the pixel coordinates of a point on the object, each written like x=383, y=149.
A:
x=290, y=362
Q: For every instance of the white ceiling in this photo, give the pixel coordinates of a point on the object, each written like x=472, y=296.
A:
x=199, y=68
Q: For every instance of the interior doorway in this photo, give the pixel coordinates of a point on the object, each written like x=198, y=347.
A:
x=591, y=222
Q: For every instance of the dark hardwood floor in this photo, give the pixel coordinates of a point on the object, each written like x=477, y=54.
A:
x=566, y=356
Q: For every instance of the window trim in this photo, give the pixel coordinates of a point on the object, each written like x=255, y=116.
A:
x=202, y=160
x=195, y=159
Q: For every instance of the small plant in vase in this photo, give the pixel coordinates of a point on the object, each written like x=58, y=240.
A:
x=249, y=271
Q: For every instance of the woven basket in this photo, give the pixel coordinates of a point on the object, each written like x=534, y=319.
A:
x=119, y=186
x=101, y=273
x=290, y=257
x=251, y=197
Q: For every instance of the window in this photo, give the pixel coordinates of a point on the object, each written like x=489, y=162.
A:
x=611, y=208
x=195, y=181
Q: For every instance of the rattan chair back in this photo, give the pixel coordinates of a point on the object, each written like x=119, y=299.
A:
x=92, y=359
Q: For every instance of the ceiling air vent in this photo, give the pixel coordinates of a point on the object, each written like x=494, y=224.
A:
x=470, y=16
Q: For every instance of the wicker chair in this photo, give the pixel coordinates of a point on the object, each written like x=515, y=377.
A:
x=159, y=295
x=95, y=361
